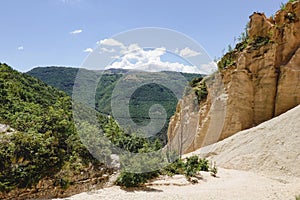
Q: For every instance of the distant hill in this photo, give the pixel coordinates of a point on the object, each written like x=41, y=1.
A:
x=141, y=101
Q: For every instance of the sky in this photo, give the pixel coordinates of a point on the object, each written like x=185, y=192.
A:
x=64, y=32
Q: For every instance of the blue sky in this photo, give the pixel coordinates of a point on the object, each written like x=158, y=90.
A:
x=56, y=32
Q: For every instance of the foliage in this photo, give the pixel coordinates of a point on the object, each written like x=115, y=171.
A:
x=199, y=87
x=141, y=100
x=128, y=179
x=55, y=75
x=176, y=167
x=297, y=197
x=45, y=140
x=283, y=5
x=227, y=60
x=188, y=167
x=213, y=169
x=260, y=41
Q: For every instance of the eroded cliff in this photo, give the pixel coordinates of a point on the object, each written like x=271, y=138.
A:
x=258, y=80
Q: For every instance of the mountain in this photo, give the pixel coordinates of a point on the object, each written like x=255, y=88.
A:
x=141, y=100
x=54, y=147
x=256, y=81
x=41, y=154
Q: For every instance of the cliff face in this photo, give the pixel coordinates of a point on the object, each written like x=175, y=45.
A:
x=261, y=81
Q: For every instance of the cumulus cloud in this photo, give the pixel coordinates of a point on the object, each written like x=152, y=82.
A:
x=88, y=50
x=20, y=48
x=110, y=42
x=76, y=32
x=133, y=56
x=137, y=58
x=187, y=52
x=107, y=50
x=210, y=67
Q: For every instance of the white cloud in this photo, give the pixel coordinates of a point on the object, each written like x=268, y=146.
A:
x=76, y=32
x=210, y=67
x=88, y=50
x=187, y=52
x=110, y=42
x=135, y=57
x=20, y=48
x=107, y=50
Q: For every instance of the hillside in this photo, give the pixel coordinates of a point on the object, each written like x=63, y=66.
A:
x=41, y=154
x=256, y=81
x=53, y=147
x=141, y=100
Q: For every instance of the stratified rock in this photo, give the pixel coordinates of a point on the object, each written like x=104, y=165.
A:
x=262, y=82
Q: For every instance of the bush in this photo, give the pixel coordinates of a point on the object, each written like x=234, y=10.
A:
x=128, y=179
x=177, y=167
x=260, y=41
x=190, y=167
x=297, y=197
x=213, y=170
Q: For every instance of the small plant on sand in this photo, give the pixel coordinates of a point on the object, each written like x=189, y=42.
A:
x=297, y=197
x=213, y=169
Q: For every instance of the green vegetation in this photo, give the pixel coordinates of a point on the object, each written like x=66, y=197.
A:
x=45, y=143
x=199, y=87
x=213, y=169
x=189, y=167
x=297, y=197
x=283, y=5
x=227, y=60
x=127, y=140
x=260, y=41
x=141, y=100
x=58, y=77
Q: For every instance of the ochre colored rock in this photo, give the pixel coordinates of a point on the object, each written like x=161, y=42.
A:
x=263, y=82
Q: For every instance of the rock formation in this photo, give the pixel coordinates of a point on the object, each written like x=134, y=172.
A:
x=259, y=80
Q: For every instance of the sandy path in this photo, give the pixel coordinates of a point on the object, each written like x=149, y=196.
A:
x=231, y=184
x=269, y=154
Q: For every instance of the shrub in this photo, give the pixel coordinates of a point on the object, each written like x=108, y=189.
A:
x=177, y=167
x=203, y=164
x=213, y=169
x=297, y=197
x=128, y=179
x=260, y=41
x=227, y=60
x=192, y=166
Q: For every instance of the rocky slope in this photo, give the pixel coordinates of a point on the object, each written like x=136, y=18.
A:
x=258, y=80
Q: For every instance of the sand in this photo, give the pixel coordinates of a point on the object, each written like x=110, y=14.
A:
x=260, y=163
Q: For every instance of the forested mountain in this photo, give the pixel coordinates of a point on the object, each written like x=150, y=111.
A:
x=141, y=100
x=41, y=151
